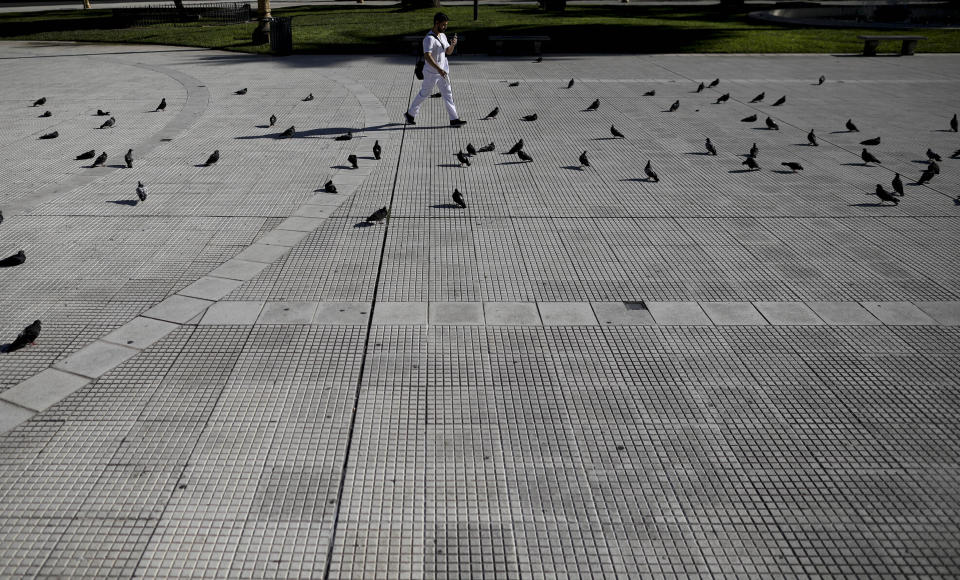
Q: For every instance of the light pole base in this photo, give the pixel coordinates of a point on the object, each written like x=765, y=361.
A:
x=261, y=34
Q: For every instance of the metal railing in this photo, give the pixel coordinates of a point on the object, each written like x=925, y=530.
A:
x=206, y=12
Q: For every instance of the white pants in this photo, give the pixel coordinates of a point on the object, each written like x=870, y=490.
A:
x=429, y=82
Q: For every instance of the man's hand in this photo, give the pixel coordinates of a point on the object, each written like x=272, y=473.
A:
x=443, y=73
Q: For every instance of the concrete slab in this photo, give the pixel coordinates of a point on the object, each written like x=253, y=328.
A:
x=95, y=359
x=262, y=253
x=456, y=313
x=287, y=313
x=342, y=313
x=733, y=314
x=140, y=332
x=788, y=314
x=511, y=314
x=618, y=314
x=279, y=237
x=178, y=309
x=12, y=415
x=678, y=314
x=945, y=313
x=233, y=312
x=314, y=211
x=843, y=313
x=300, y=224
x=898, y=313
x=400, y=313
x=238, y=269
x=210, y=288
x=567, y=314
x=45, y=389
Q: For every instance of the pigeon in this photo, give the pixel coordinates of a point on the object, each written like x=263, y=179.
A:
x=926, y=176
x=675, y=106
x=308, y=97
x=780, y=101
x=493, y=114
x=289, y=132
x=651, y=93
x=710, y=148
x=871, y=142
x=102, y=113
x=749, y=119
x=897, y=184
x=108, y=123
x=524, y=156
x=376, y=149
x=722, y=98
x=141, y=191
x=953, y=123
x=584, y=162
x=758, y=98
x=471, y=150
x=46, y=114
x=352, y=159
x=487, y=148
x=162, y=105
x=329, y=187
x=615, y=133
x=40, y=101
x=570, y=84
x=100, y=160
x=885, y=195
x=52, y=135
x=516, y=147
x=812, y=139
x=793, y=165
x=851, y=127
x=28, y=336
x=87, y=155
x=594, y=105
x=868, y=157
x=933, y=156
x=242, y=91
x=532, y=117
x=14, y=260
x=514, y=84
x=772, y=125
x=956, y=154
x=754, y=150
x=932, y=166
x=700, y=87
x=463, y=159
x=458, y=199
x=345, y=137
x=1, y=217
x=214, y=157
x=273, y=120
x=714, y=83
x=751, y=163
x=651, y=174
x=821, y=80
x=379, y=215
x=539, y=60
x=128, y=158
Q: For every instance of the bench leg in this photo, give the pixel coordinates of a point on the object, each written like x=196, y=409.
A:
x=908, y=48
x=870, y=47
x=536, y=47
x=499, y=47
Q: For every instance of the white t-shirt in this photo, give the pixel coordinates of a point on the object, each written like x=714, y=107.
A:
x=437, y=46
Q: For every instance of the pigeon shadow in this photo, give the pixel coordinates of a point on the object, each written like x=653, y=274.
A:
x=129, y=202
x=698, y=153
x=634, y=179
x=943, y=131
x=512, y=163
x=741, y=171
x=263, y=126
x=445, y=206
x=606, y=139
x=572, y=167
x=764, y=129
x=9, y=348
x=201, y=165
x=870, y=205
x=920, y=161
x=448, y=165
x=783, y=171
x=805, y=145
x=857, y=164
x=117, y=166
x=363, y=224
x=842, y=132
x=2, y=265
x=341, y=167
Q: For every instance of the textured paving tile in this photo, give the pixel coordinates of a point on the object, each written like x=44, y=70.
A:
x=788, y=313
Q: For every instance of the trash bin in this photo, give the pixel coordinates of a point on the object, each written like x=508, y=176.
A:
x=281, y=35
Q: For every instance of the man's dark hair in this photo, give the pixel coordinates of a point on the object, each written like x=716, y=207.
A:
x=440, y=17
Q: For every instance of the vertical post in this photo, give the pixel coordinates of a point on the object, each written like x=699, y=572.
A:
x=476, y=9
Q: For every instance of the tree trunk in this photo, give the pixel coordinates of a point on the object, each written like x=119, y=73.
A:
x=86, y=4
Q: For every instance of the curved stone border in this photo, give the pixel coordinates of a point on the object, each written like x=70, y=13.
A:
x=32, y=396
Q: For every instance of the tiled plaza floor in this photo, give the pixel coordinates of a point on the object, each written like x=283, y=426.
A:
x=582, y=374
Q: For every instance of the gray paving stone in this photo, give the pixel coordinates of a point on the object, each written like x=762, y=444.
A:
x=400, y=313
x=95, y=359
x=456, y=313
x=898, y=313
x=140, y=332
x=233, y=312
x=210, y=288
x=279, y=237
x=178, y=309
x=238, y=269
x=12, y=415
x=300, y=224
x=733, y=313
x=567, y=314
x=511, y=314
x=843, y=313
x=342, y=313
x=287, y=313
x=946, y=313
x=678, y=313
x=45, y=389
x=788, y=313
x=617, y=314
x=262, y=253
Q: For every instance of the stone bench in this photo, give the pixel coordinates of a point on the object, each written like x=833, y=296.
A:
x=909, y=46
x=537, y=41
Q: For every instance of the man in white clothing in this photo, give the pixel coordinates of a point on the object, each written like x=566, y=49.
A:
x=436, y=71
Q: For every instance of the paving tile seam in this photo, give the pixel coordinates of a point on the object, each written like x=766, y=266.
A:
x=185, y=307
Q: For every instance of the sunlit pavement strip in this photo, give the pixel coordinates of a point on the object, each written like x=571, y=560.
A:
x=582, y=373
